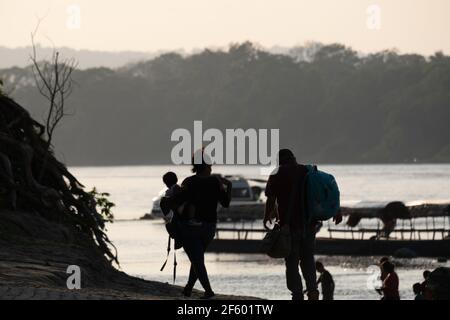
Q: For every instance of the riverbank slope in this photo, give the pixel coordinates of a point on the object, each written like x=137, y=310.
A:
x=35, y=255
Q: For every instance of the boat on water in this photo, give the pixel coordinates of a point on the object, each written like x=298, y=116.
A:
x=418, y=230
x=246, y=200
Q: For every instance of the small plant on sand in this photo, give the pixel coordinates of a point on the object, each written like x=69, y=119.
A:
x=103, y=204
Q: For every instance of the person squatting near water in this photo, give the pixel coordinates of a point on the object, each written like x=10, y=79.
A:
x=326, y=281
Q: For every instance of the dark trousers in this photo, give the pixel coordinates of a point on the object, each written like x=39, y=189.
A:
x=195, y=241
x=327, y=295
x=302, y=251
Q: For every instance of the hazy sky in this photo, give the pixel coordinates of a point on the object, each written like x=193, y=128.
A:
x=147, y=25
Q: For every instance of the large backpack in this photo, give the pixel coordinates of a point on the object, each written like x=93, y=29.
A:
x=321, y=195
x=173, y=227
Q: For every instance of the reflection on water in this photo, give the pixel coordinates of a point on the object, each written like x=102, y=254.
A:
x=142, y=250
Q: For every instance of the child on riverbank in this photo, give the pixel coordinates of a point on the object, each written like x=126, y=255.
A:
x=326, y=280
x=170, y=179
x=417, y=289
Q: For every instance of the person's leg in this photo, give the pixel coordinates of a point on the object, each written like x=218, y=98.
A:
x=191, y=282
x=188, y=238
x=193, y=246
x=293, y=278
x=207, y=235
x=202, y=273
x=308, y=264
x=327, y=295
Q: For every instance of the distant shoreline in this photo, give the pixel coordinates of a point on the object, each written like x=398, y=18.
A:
x=225, y=165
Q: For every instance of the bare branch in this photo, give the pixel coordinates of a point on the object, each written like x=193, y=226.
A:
x=53, y=79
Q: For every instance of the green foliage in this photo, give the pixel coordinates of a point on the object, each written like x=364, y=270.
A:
x=103, y=204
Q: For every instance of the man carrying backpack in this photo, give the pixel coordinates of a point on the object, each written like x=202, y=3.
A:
x=285, y=188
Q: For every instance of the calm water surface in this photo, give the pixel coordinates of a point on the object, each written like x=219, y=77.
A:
x=142, y=244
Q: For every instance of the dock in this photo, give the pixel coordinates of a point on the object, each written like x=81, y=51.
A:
x=423, y=233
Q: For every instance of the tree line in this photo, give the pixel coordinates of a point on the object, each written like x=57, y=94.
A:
x=333, y=106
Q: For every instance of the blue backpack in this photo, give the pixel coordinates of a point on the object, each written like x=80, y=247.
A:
x=322, y=195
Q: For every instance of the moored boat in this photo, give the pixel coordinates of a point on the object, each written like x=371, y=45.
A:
x=246, y=202
x=421, y=230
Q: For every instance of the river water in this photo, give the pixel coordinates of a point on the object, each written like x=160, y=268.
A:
x=142, y=244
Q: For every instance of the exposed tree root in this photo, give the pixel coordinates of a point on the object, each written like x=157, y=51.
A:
x=32, y=179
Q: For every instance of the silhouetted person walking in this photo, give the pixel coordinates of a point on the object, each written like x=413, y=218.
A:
x=326, y=281
x=284, y=189
x=200, y=194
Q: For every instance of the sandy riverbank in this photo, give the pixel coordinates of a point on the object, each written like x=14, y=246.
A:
x=35, y=254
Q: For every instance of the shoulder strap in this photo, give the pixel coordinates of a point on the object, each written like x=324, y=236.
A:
x=174, y=261
x=174, y=265
x=306, y=217
x=167, y=258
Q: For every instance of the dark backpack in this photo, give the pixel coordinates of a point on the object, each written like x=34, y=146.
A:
x=173, y=229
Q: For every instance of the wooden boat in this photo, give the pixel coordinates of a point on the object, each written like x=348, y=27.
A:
x=422, y=230
x=353, y=247
x=246, y=202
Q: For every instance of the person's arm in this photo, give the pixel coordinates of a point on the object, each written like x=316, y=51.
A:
x=338, y=218
x=270, y=211
x=225, y=197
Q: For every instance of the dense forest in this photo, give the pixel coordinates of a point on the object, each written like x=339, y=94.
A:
x=331, y=104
